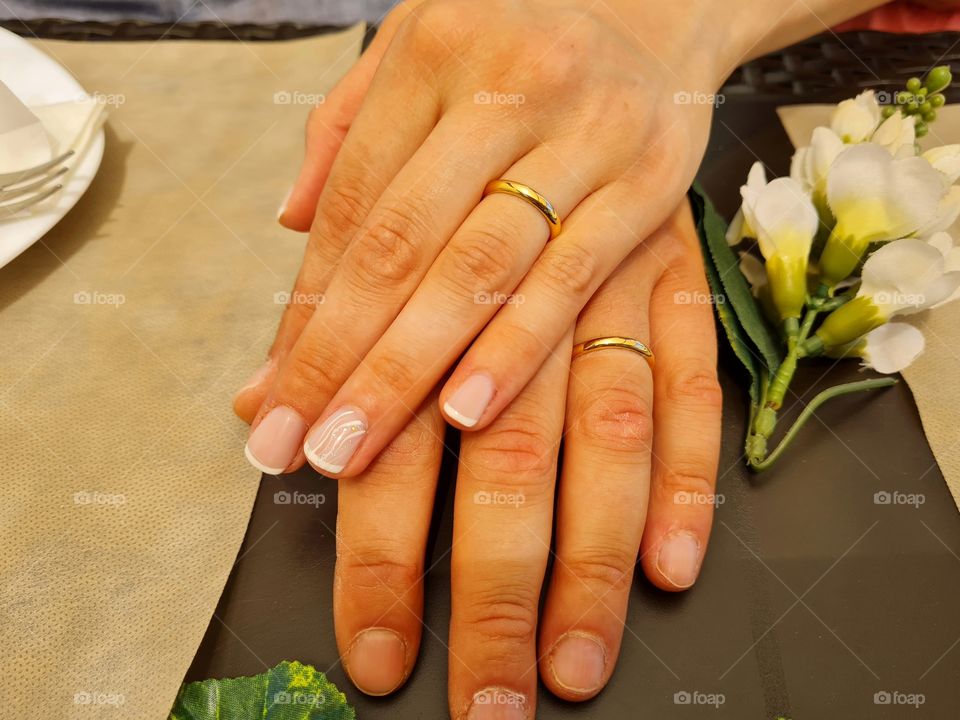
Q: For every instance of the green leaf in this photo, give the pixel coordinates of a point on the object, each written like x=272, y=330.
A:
x=726, y=265
x=289, y=691
x=728, y=320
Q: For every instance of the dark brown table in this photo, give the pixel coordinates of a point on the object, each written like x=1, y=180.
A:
x=813, y=597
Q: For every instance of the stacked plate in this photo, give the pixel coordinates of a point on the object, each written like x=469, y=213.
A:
x=46, y=119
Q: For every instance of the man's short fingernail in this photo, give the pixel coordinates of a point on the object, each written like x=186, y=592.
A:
x=468, y=402
x=375, y=661
x=679, y=558
x=496, y=703
x=330, y=446
x=578, y=662
x=275, y=442
x=283, y=205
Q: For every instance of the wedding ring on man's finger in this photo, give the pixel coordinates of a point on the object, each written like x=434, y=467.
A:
x=525, y=192
x=614, y=341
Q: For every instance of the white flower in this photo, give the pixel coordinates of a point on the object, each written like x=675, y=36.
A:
x=785, y=222
x=902, y=277
x=810, y=164
x=891, y=348
x=946, y=159
x=897, y=135
x=948, y=210
x=855, y=120
x=739, y=228
x=951, y=258
x=875, y=198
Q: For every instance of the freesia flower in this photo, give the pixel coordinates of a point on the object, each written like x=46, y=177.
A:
x=810, y=166
x=897, y=135
x=875, y=198
x=951, y=257
x=903, y=277
x=890, y=348
x=785, y=222
x=739, y=228
x=948, y=210
x=855, y=120
x=945, y=159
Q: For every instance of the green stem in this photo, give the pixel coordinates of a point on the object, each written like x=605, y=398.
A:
x=812, y=407
x=781, y=381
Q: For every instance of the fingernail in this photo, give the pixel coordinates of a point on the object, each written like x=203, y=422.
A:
x=497, y=703
x=577, y=662
x=679, y=558
x=262, y=373
x=330, y=446
x=274, y=443
x=375, y=661
x=467, y=404
x=283, y=205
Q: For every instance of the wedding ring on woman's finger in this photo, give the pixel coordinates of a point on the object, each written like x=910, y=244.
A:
x=613, y=341
x=525, y=192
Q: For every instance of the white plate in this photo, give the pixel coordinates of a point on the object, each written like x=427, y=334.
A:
x=37, y=80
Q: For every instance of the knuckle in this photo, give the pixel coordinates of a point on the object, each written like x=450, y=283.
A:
x=502, y=613
x=393, y=372
x=344, y=205
x=608, y=566
x=378, y=569
x=514, y=447
x=683, y=480
x=413, y=448
x=571, y=270
x=618, y=418
x=388, y=252
x=433, y=28
x=315, y=368
x=694, y=384
x=482, y=258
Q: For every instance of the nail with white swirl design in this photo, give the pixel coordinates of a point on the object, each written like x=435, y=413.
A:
x=330, y=445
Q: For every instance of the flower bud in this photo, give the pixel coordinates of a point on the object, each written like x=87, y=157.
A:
x=849, y=322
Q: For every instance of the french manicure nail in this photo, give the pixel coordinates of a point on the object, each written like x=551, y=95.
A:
x=679, y=558
x=497, y=703
x=274, y=443
x=468, y=402
x=330, y=446
x=283, y=205
x=262, y=373
x=375, y=661
x=577, y=662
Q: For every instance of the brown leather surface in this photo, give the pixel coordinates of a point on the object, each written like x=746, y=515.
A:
x=812, y=597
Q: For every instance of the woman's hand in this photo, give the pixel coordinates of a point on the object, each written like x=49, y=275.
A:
x=601, y=110
x=633, y=479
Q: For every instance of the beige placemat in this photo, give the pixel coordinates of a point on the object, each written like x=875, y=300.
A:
x=934, y=378
x=125, y=493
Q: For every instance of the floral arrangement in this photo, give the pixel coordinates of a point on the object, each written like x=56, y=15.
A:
x=852, y=240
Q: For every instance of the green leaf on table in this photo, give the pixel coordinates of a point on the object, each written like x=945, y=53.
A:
x=736, y=291
x=728, y=320
x=289, y=691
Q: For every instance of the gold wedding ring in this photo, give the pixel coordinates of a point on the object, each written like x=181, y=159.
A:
x=509, y=187
x=613, y=342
